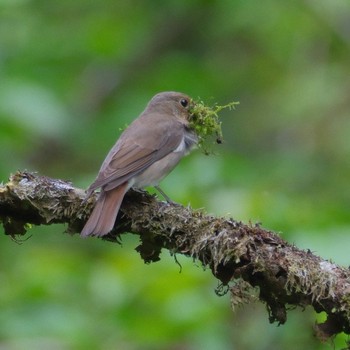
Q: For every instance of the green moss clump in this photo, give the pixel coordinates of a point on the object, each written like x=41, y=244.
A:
x=205, y=122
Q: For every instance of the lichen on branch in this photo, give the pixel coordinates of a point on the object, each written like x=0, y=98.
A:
x=249, y=261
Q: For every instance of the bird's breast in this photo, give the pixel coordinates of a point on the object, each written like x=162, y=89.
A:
x=189, y=140
x=156, y=171
x=152, y=175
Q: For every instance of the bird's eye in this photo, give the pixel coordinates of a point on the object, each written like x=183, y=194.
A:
x=184, y=102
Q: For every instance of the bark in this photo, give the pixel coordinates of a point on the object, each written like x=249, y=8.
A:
x=250, y=261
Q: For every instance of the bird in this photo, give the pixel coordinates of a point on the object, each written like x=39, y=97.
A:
x=147, y=151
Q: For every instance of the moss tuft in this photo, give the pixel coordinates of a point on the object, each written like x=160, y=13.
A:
x=205, y=122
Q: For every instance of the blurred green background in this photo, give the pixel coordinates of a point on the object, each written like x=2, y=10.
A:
x=72, y=73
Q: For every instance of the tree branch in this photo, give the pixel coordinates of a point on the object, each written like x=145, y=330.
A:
x=247, y=259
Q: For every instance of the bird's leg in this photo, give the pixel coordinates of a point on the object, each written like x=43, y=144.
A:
x=164, y=195
x=88, y=195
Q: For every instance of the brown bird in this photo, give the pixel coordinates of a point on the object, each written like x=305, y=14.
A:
x=145, y=153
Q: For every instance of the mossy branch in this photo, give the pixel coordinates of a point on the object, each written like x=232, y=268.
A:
x=247, y=259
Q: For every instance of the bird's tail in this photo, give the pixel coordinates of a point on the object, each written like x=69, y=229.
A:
x=102, y=218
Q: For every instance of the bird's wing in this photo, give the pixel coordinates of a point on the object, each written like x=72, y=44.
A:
x=144, y=142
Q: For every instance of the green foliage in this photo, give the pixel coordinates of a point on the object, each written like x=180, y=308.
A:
x=73, y=73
